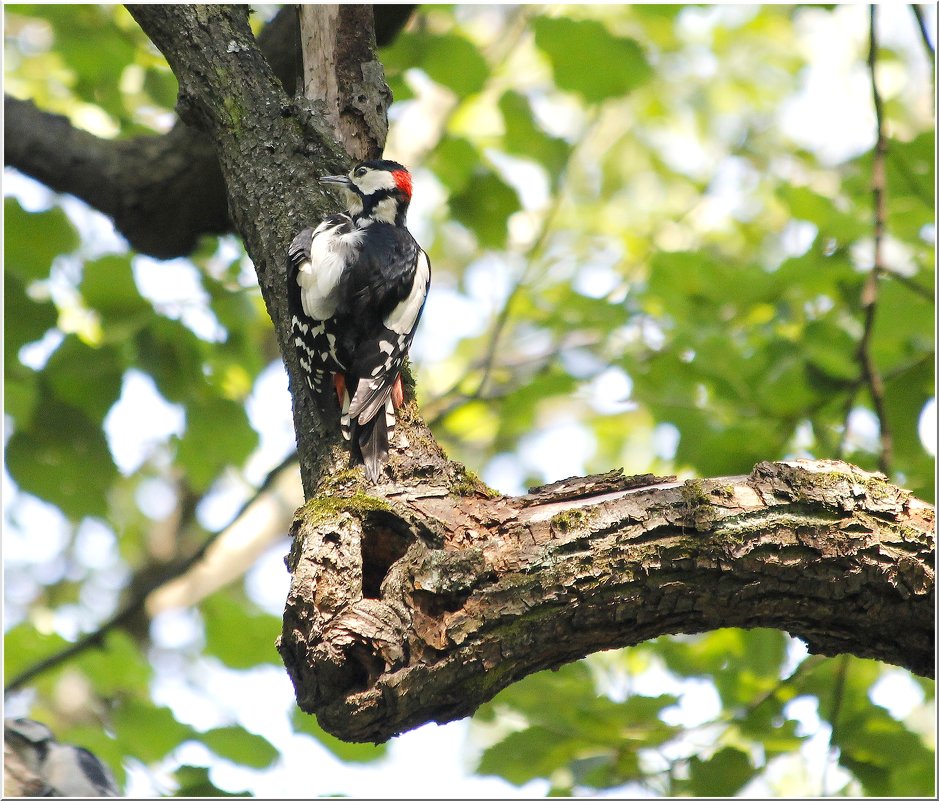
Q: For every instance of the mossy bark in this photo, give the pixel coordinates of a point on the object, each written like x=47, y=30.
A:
x=424, y=608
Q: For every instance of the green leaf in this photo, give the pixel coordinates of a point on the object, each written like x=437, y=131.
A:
x=831, y=349
x=194, y=782
x=588, y=59
x=721, y=775
x=173, y=356
x=24, y=646
x=149, y=732
x=63, y=458
x=24, y=319
x=767, y=725
x=448, y=59
x=108, y=286
x=84, y=377
x=455, y=161
x=237, y=634
x=217, y=435
x=347, y=752
x=523, y=137
x=484, y=207
x=528, y=754
x=117, y=668
x=33, y=240
x=743, y=663
x=19, y=396
x=240, y=746
x=879, y=749
x=805, y=204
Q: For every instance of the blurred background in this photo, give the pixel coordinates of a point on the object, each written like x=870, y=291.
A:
x=650, y=228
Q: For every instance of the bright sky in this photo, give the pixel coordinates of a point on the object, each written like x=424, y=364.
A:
x=831, y=115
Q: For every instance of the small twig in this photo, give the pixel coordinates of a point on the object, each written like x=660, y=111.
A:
x=531, y=259
x=923, y=31
x=869, y=293
x=913, y=286
x=138, y=599
x=837, y=696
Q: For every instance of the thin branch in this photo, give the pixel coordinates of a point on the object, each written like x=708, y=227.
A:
x=869, y=294
x=442, y=406
x=913, y=286
x=923, y=31
x=138, y=600
x=837, y=696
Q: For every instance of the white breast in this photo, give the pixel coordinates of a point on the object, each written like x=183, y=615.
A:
x=330, y=253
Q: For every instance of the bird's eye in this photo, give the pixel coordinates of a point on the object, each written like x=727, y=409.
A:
x=360, y=172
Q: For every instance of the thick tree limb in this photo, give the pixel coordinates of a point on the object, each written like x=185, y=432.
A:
x=163, y=192
x=423, y=604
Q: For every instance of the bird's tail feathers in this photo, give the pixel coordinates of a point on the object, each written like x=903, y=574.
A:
x=372, y=441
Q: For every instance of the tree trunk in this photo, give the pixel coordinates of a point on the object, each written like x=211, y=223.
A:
x=423, y=603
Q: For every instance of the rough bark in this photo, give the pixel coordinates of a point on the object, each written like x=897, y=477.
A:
x=163, y=192
x=270, y=148
x=423, y=603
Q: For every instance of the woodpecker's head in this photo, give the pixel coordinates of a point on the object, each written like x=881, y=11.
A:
x=376, y=189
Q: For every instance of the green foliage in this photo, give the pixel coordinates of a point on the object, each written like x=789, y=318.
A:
x=238, y=745
x=237, y=636
x=585, y=740
x=32, y=241
x=586, y=58
x=303, y=723
x=63, y=457
x=647, y=246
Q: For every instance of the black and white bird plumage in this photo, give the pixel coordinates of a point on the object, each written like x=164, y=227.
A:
x=64, y=770
x=357, y=286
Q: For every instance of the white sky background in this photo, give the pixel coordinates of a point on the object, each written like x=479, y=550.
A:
x=832, y=116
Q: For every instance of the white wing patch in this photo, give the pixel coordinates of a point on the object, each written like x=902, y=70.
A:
x=319, y=275
x=404, y=315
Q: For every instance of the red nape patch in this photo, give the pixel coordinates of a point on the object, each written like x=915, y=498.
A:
x=403, y=180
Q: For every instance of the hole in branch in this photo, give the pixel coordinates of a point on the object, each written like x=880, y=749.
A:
x=383, y=544
x=364, y=667
x=435, y=604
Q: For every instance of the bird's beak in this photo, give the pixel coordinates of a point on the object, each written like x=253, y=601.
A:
x=339, y=180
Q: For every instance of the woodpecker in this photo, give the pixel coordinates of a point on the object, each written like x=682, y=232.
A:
x=356, y=289
x=65, y=770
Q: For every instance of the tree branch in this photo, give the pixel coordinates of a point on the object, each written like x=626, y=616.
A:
x=423, y=604
x=163, y=192
x=871, y=374
x=269, y=149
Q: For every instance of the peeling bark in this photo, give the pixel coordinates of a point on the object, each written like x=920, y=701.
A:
x=343, y=76
x=420, y=603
